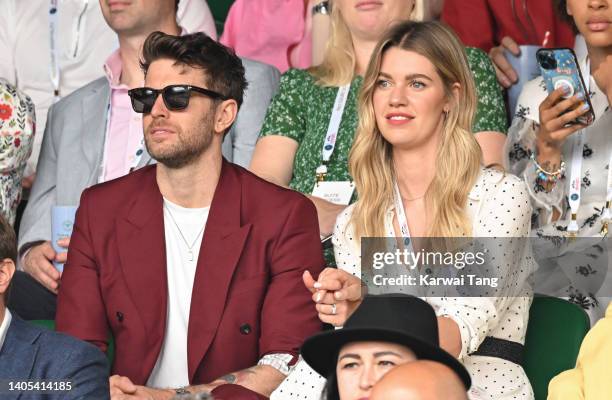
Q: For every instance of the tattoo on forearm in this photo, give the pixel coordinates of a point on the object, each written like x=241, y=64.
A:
x=229, y=378
x=238, y=377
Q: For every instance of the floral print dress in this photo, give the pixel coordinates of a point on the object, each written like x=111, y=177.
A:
x=573, y=269
x=17, y=126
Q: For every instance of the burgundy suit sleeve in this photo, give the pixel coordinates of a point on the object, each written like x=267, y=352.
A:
x=289, y=315
x=235, y=392
x=472, y=21
x=80, y=308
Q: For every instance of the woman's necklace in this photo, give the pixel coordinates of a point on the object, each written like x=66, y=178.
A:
x=413, y=199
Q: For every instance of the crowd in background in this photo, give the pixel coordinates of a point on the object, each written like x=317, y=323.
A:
x=196, y=203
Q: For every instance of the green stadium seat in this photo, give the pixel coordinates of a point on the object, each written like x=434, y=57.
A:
x=554, y=335
x=50, y=324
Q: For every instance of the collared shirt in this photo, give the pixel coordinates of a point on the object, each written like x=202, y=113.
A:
x=124, y=137
x=124, y=142
x=6, y=322
x=84, y=42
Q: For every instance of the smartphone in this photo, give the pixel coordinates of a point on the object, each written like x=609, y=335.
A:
x=560, y=67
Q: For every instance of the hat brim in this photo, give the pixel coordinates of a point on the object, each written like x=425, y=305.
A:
x=321, y=351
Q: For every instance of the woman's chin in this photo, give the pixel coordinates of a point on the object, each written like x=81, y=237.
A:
x=402, y=139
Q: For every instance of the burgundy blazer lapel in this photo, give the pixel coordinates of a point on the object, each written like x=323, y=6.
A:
x=142, y=252
x=222, y=244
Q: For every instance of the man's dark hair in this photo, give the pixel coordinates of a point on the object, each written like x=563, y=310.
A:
x=224, y=69
x=561, y=9
x=8, y=245
x=176, y=5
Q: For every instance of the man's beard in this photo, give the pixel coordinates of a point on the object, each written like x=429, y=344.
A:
x=189, y=146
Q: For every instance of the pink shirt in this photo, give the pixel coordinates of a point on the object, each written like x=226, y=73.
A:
x=275, y=32
x=124, y=142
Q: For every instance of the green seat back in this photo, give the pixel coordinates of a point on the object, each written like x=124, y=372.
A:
x=554, y=334
x=219, y=10
x=50, y=324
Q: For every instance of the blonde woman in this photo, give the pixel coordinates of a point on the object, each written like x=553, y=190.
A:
x=293, y=150
x=417, y=168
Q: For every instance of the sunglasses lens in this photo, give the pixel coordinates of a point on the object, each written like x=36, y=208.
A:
x=143, y=99
x=176, y=97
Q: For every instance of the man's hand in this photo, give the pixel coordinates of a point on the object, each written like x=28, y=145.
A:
x=122, y=388
x=506, y=75
x=334, y=287
x=38, y=263
x=28, y=181
x=62, y=257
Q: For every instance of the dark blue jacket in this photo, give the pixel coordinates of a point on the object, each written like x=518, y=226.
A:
x=33, y=353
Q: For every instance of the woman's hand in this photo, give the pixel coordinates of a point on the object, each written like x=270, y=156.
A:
x=337, y=294
x=555, y=113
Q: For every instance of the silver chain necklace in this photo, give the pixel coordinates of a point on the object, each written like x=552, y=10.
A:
x=189, y=248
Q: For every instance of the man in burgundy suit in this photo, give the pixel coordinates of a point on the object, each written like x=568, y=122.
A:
x=194, y=265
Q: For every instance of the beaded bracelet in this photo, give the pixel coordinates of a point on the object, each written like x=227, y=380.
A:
x=547, y=177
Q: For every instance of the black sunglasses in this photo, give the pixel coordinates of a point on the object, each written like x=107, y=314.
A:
x=176, y=97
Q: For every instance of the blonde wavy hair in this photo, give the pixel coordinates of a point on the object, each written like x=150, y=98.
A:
x=338, y=66
x=459, y=157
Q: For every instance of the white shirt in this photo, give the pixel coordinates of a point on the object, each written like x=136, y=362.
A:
x=84, y=42
x=503, y=317
x=6, y=322
x=184, y=229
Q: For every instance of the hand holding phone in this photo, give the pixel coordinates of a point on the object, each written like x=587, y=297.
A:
x=558, y=116
x=559, y=69
x=566, y=110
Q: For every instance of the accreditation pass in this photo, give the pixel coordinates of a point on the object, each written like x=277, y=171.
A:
x=338, y=192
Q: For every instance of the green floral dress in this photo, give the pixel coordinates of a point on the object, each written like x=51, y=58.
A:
x=302, y=109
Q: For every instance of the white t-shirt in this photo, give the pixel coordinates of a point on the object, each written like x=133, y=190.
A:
x=184, y=229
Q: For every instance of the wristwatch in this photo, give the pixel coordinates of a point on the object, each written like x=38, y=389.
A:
x=322, y=8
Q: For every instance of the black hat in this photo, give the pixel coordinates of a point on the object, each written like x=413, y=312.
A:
x=398, y=318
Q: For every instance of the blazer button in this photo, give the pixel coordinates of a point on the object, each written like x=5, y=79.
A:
x=245, y=329
x=119, y=316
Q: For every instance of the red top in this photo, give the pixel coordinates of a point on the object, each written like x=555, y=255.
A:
x=483, y=23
